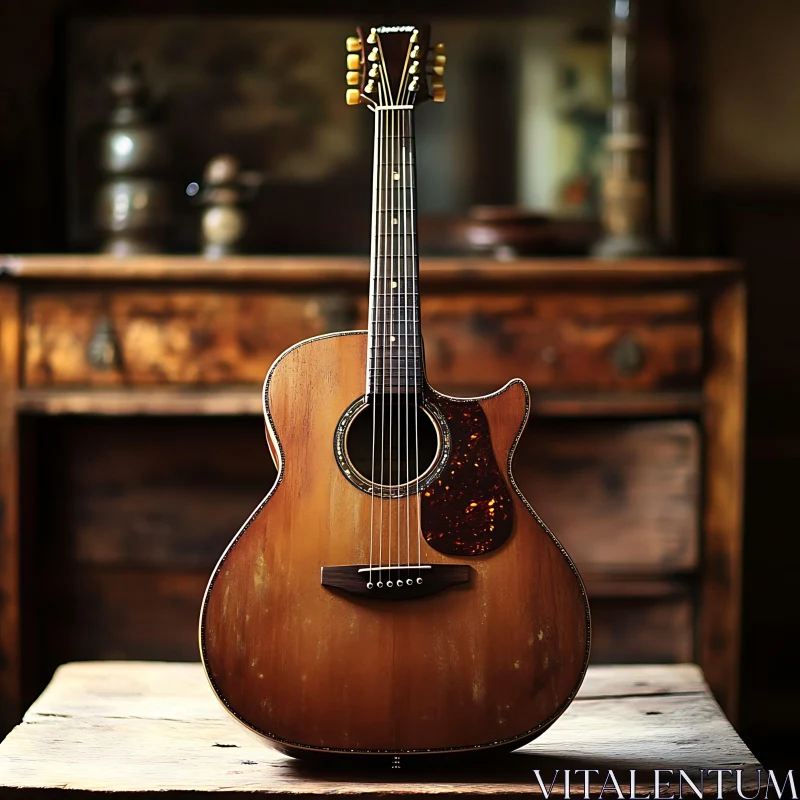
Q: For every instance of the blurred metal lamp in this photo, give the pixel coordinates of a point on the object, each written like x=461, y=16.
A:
x=626, y=191
x=225, y=190
x=133, y=205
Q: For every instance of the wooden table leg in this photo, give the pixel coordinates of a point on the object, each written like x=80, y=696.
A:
x=10, y=710
x=724, y=410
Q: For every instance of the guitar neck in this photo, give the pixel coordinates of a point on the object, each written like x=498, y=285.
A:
x=395, y=362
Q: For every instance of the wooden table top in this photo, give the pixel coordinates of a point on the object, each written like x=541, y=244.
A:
x=146, y=728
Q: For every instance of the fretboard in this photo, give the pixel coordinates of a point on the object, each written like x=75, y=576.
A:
x=395, y=361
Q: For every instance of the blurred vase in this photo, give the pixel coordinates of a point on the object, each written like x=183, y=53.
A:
x=626, y=191
x=226, y=188
x=133, y=207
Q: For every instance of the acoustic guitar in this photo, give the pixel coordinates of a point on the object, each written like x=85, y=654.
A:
x=394, y=593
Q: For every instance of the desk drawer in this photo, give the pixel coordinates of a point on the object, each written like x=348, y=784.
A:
x=150, y=338
x=553, y=341
x=564, y=341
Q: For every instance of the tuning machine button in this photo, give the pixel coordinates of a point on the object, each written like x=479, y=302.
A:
x=439, y=59
x=353, y=97
x=353, y=78
x=352, y=44
x=353, y=61
x=439, y=94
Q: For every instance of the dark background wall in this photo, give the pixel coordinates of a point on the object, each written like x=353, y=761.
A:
x=738, y=193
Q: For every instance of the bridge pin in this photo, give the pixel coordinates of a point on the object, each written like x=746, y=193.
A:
x=369, y=585
x=389, y=584
x=419, y=580
x=409, y=582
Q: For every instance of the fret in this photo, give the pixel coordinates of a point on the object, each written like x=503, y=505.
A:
x=398, y=357
x=417, y=382
x=392, y=327
x=404, y=216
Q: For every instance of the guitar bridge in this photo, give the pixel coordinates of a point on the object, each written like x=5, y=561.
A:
x=398, y=582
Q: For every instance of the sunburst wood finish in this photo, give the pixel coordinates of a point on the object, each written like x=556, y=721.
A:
x=488, y=664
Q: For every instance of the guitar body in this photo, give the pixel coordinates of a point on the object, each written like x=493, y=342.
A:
x=318, y=669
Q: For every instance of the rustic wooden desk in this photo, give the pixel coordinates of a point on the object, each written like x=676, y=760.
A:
x=147, y=728
x=132, y=445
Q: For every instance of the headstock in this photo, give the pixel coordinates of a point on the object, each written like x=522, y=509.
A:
x=394, y=65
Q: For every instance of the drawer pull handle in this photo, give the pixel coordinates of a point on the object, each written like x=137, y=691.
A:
x=103, y=350
x=627, y=355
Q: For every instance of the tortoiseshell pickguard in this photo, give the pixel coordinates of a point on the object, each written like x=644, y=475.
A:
x=467, y=510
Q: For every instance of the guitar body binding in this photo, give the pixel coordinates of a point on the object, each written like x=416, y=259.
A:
x=485, y=662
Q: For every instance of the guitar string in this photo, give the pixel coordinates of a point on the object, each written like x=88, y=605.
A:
x=373, y=310
x=384, y=94
x=409, y=304
x=408, y=208
x=380, y=349
x=405, y=284
x=392, y=339
x=401, y=337
x=418, y=352
x=411, y=410
x=418, y=374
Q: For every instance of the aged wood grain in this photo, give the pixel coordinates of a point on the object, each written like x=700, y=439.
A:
x=720, y=599
x=168, y=494
x=122, y=613
x=563, y=340
x=190, y=337
x=555, y=341
x=9, y=510
x=317, y=669
x=656, y=629
x=149, y=728
x=623, y=496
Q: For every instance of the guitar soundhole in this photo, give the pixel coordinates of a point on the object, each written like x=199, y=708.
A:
x=392, y=444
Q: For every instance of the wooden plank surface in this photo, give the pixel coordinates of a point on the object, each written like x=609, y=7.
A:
x=622, y=497
x=149, y=728
x=317, y=269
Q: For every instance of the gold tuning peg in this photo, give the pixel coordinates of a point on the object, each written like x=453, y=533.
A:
x=439, y=49
x=440, y=60
x=353, y=44
x=353, y=97
x=437, y=83
x=439, y=94
x=353, y=78
x=438, y=69
x=353, y=61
